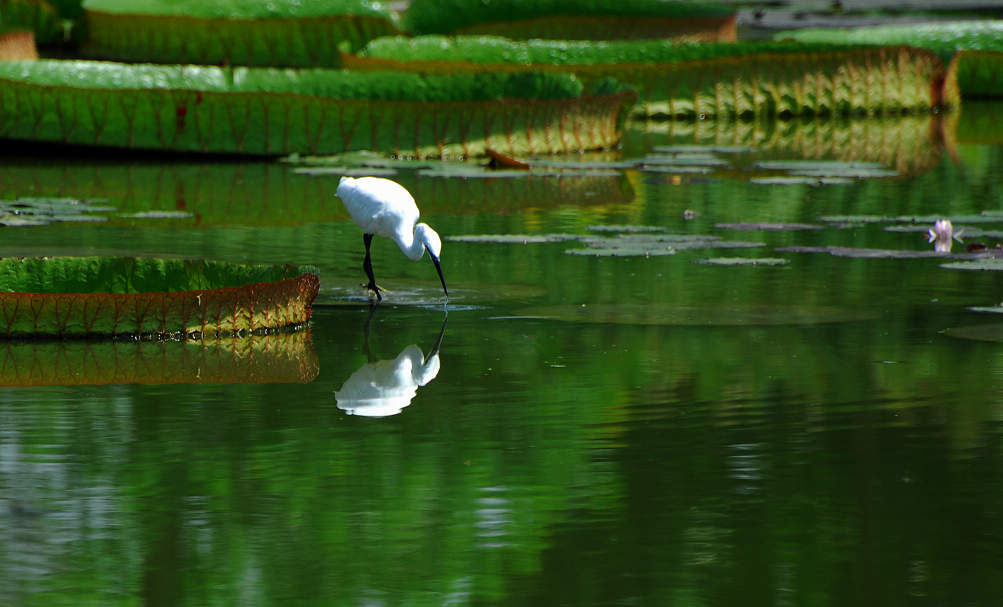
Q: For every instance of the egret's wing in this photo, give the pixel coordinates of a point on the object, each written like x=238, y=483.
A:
x=378, y=205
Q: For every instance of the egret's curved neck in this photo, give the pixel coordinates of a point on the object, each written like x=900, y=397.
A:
x=413, y=247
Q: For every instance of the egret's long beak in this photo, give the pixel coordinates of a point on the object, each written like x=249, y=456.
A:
x=438, y=268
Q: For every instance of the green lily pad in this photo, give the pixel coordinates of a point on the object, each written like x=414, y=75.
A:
x=682, y=170
x=987, y=309
x=919, y=220
x=767, y=226
x=706, y=149
x=991, y=332
x=873, y=253
x=800, y=180
x=702, y=160
x=744, y=261
x=992, y=264
x=831, y=167
x=512, y=238
x=543, y=163
x=43, y=211
x=620, y=252
x=158, y=215
x=855, y=219
x=656, y=314
x=650, y=244
x=345, y=171
x=632, y=229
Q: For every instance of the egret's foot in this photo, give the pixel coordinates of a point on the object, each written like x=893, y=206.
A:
x=374, y=290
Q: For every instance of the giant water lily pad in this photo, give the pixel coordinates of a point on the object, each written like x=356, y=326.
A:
x=704, y=315
x=145, y=298
x=312, y=111
x=281, y=357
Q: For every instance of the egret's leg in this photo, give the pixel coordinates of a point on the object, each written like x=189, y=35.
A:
x=367, y=265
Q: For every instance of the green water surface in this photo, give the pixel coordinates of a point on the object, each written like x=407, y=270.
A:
x=629, y=430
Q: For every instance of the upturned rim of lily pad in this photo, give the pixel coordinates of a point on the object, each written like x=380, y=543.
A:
x=140, y=298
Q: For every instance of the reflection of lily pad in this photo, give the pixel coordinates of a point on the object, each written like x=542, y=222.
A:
x=512, y=238
x=278, y=357
x=706, y=315
x=744, y=261
x=765, y=226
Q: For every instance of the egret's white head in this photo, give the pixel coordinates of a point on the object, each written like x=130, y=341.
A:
x=430, y=238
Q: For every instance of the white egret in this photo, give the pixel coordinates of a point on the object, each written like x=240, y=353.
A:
x=384, y=207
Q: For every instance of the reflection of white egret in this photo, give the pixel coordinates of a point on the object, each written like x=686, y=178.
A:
x=384, y=207
x=384, y=387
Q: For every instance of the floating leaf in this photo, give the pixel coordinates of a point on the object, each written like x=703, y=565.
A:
x=143, y=298
x=345, y=171
x=630, y=229
x=621, y=252
x=705, y=149
x=158, y=215
x=315, y=111
x=768, y=226
x=989, y=332
x=793, y=180
x=649, y=244
x=275, y=33
x=744, y=261
x=697, y=81
x=816, y=165
x=987, y=309
x=872, y=253
x=990, y=264
x=512, y=238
